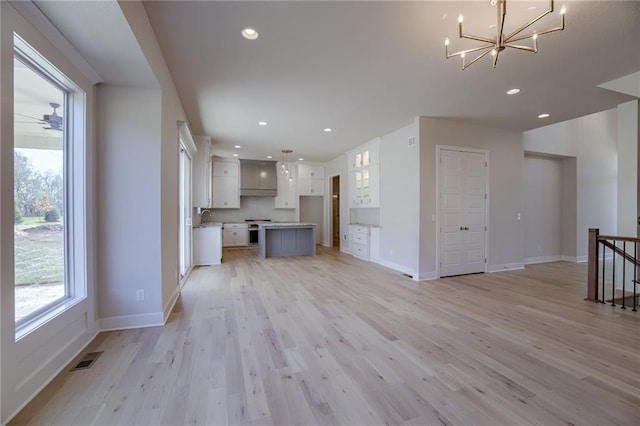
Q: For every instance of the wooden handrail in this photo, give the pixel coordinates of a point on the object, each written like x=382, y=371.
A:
x=620, y=251
x=611, y=237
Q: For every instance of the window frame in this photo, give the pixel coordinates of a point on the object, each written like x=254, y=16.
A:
x=74, y=184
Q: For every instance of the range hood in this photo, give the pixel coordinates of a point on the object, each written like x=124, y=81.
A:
x=258, y=178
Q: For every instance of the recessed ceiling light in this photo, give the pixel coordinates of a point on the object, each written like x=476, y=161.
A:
x=327, y=130
x=269, y=157
x=235, y=155
x=513, y=91
x=237, y=146
x=300, y=159
x=545, y=115
x=492, y=26
x=250, y=34
x=262, y=123
x=532, y=8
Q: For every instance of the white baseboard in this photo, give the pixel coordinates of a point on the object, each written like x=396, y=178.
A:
x=395, y=267
x=132, y=321
x=170, y=304
x=582, y=259
x=573, y=259
x=428, y=276
x=505, y=267
x=89, y=338
x=542, y=259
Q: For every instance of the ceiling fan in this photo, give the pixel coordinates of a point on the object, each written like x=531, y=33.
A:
x=53, y=120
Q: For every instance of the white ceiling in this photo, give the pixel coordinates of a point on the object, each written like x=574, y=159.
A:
x=364, y=68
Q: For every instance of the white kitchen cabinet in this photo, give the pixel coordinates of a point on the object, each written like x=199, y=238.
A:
x=226, y=184
x=207, y=245
x=235, y=235
x=225, y=167
x=364, y=176
x=359, y=241
x=287, y=196
x=374, y=244
x=202, y=173
x=310, y=180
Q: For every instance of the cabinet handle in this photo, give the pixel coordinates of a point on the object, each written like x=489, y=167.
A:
x=466, y=228
x=462, y=228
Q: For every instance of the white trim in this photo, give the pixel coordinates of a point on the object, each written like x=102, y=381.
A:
x=91, y=337
x=170, y=304
x=428, y=276
x=186, y=137
x=583, y=259
x=394, y=266
x=505, y=267
x=39, y=20
x=542, y=259
x=440, y=148
x=569, y=258
x=329, y=210
x=154, y=319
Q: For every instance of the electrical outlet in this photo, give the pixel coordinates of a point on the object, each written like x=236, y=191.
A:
x=140, y=295
x=345, y=236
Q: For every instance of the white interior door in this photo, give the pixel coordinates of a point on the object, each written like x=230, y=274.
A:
x=463, y=207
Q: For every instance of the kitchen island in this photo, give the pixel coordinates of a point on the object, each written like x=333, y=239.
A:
x=286, y=239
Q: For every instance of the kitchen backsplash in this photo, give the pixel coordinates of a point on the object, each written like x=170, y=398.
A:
x=252, y=208
x=365, y=216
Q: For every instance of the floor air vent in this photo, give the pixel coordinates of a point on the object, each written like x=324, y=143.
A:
x=407, y=275
x=87, y=361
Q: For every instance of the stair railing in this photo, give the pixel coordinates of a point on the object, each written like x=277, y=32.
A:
x=605, y=248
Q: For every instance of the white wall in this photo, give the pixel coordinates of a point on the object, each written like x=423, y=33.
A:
x=129, y=240
x=30, y=363
x=172, y=113
x=312, y=210
x=506, y=158
x=592, y=141
x=628, y=139
x=400, y=200
x=542, y=209
x=569, y=209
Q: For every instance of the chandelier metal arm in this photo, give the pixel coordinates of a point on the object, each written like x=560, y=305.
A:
x=531, y=22
x=482, y=55
x=464, y=52
x=533, y=49
x=477, y=38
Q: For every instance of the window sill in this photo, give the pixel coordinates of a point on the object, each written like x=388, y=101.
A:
x=35, y=323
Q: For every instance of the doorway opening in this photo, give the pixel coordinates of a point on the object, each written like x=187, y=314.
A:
x=335, y=211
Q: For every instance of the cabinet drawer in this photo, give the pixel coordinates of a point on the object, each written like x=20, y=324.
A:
x=236, y=226
x=360, y=250
x=359, y=238
x=359, y=229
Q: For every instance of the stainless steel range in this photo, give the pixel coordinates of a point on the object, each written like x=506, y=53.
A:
x=253, y=229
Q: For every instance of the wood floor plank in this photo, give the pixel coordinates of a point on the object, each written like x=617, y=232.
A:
x=334, y=340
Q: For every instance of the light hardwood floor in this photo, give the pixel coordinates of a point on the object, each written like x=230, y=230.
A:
x=334, y=340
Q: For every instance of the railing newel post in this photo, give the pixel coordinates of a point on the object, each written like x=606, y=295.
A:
x=592, y=278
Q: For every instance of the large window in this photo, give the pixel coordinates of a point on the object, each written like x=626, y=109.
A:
x=45, y=173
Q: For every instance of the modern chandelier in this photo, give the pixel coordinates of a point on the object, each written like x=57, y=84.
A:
x=501, y=41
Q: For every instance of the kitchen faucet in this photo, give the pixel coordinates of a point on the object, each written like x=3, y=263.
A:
x=202, y=215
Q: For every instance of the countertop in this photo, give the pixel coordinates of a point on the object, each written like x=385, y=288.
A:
x=365, y=225
x=209, y=225
x=285, y=224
